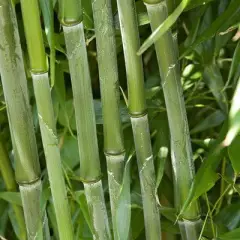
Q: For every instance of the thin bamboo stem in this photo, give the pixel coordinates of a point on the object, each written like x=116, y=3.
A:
x=181, y=152
x=27, y=168
x=139, y=117
x=90, y=171
x=108, y=75
x=8, y=177
x=32, y=27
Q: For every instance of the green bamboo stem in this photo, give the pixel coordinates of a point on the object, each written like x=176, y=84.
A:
x=27, y=169
x=108, y=75
x=139, y=117
x=181, y=152
x=8, y=177
x=33, y=32
x=90, y=171
x=30, y=195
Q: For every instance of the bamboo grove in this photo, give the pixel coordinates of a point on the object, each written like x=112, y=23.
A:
x=99, y=129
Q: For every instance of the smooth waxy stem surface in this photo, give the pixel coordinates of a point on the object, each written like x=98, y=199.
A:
x=33, y=32
x=181, y=151
x=98, y=211
x=52, y=153
x=36, y=51
x=134, y=67
x=147, y=177
x=30, y=195
x=83, y=101
x=16, y=96
x=70, y=12
x=90, y=171
x=139, y=118
x=27, y=169
x=108, y=75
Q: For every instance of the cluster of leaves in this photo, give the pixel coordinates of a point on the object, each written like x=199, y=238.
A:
x=208, y=36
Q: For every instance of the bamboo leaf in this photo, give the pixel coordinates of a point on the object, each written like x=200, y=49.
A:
x=229, y=216
x=234, y=65
x=81, y=200
x=232, y=11
x=206, y=176
x=197, y=3
x=3, y=216
x=164, y=27
x=137, y=223
x=47, y=11
x=11, y=197
x=123, y=211
x=233, y=235
x=213, y=78
x=213, y=120
x=233, y=151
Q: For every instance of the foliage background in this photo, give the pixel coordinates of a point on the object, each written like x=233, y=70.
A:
x=208, y=37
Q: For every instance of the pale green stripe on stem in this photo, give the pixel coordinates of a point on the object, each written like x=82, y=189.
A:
x=30, y=195
x=95, y=199
x=147, y=177
x=110, y=96
x=90, y=171
x=52, y=153
x=181, y=151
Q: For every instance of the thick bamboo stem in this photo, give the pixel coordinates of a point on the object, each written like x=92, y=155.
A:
x=90, y=171
x=181, y=151
x=27, y=169
x=108, y=75
x=52, y=153
x=139, y=117
x=32, y=27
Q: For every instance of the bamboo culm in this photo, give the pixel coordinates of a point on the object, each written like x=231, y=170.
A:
x=139, y=117
x=8, y=177
x=108, y=75
x=181, y=152
x=90, y=171
x=27, y=168
x=39, y=70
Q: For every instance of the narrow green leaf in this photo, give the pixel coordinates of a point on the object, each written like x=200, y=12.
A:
x=213, y=78
x=211, y=121
x=229, y=216
x=69, y=152
x=137, y=222
x=4, y=208
x=197, y=3
x=123, y=211
x=81, y=200
x=47, y=11
x=233, y=151
x=234, y=65
x=233, y=235
x=206, y=175
x=231, y=12
x=11, y=197
x=164, y=27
